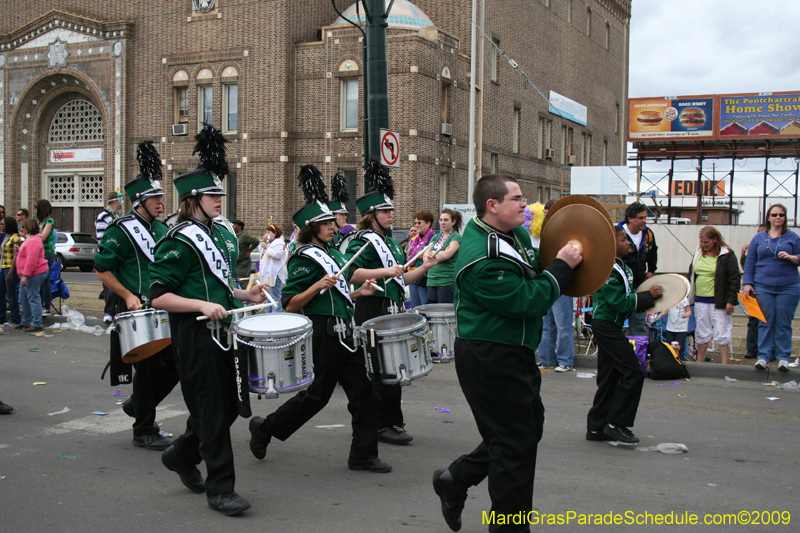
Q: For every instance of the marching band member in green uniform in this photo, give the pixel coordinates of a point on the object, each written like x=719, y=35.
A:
x=383, y=260
x=501, y=295
x=619, y=373
x=311, y=270
x=338, y=206
x=123, y=265
x=193, y=275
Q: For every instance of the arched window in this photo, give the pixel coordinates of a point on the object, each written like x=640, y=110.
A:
x=77, y=120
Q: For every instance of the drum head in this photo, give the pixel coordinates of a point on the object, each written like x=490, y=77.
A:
x=272, y=324
x=436, y=310
x=675, y=288
x=395, y=324
x=141, y=312
x=146, y=350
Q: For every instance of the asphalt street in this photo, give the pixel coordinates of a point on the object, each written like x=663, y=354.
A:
x=78, y=471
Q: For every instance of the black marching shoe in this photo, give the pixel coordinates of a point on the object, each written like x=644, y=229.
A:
x=153, y=441
x=228, y=503
x=621, y=434
x=258, y=441
x=452, y=499
x=394, y=435
x=190, y=476
x=373, y=465
x=750, y=355
x=597, y=435
x=5, y=408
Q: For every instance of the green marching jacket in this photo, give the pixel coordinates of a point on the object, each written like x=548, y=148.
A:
x=615, y=300
x=303, y=272
x=370, y=260
x=500, y=296
x=126, y=250
x=201, y=268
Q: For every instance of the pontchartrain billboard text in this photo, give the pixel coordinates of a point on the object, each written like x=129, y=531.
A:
x=746, y=116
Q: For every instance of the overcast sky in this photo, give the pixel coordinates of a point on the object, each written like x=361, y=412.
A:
x=695, y=47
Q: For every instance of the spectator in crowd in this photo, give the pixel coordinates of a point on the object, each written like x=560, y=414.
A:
x=32, y=268
x=291, y=246
x=642, y=258
x=442, y=276
x=101, y=223
x=412, y=232
x=247, y=243
x=22, y=214
x=752, y=322
x=48, y=234
x=770, y=271
x=272, y=266
x=9, y=285
x=715, y=278
x=557, y=348
x=418, y=291
x=2, y=217
x=677, y=329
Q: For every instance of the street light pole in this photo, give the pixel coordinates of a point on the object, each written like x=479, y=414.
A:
x=376, y=79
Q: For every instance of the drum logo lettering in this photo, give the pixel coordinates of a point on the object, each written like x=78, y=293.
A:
x=303, y=367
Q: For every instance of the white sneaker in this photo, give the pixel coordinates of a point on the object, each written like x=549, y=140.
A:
x=761, y=364
x=45, y=312
x=783, y=365
x=108, y=318
x=562, y=368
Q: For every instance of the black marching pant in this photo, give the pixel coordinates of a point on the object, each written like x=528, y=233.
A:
x=154, y=379
x=619, y=378
x=388, y=397
x=208, y=382
x=502, y=386
x=332, y=363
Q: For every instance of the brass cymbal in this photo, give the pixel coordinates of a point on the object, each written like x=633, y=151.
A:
x=674, y=286
x=573, y=199
x=594, y=236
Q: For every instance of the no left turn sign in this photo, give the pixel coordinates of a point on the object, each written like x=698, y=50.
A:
x=390, y=148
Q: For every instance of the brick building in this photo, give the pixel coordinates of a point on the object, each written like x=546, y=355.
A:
x=83, y=81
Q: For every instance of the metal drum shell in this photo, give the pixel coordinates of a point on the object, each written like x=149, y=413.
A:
x=442, y=322
x=286, y=353
x=402, y=355
x=142, y=333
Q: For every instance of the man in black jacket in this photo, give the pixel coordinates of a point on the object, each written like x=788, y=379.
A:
x=643, y=257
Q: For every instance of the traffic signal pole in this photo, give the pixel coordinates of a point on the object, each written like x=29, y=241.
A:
x=376, y=76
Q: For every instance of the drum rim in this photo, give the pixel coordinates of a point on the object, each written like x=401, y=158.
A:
x=141, y=312
x=433, y=312
x=394, y=331
x=240, y=329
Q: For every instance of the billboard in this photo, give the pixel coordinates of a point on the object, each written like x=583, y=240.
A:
x=689, y=188
x=722, y=117
x=765, y=115
x=671, y=118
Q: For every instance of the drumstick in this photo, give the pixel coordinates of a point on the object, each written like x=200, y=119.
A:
x=417, y=256
x=272, y=301
x=347, y=265
x=234, y=311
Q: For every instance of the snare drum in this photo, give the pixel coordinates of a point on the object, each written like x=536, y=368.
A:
x=442, y=323
x=142, y=333
x=279, y=346
x=403, y=354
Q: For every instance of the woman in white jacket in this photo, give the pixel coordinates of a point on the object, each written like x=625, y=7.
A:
x=272, y=266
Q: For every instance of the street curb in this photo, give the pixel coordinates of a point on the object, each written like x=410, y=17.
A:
x=712, y=371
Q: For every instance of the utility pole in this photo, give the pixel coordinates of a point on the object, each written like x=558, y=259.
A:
x=376, y=76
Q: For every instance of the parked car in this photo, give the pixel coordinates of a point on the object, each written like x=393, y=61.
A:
x=76, y=249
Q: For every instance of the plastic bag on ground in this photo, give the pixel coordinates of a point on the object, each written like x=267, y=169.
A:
x=666, y=447
x=73, y=317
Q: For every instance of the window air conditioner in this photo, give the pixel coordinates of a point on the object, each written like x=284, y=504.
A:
x=447, y=129
x=705, y=217
x=572, y=160
x=549, y=153
x=180, y=129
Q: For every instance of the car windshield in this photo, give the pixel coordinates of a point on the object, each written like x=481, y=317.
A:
x=83, y=238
